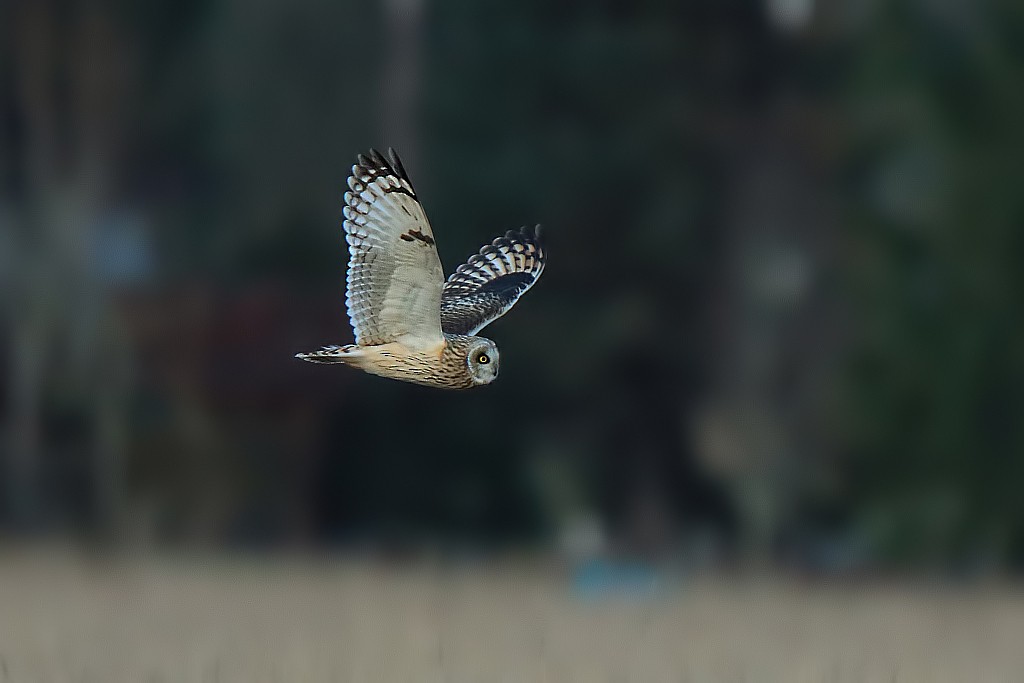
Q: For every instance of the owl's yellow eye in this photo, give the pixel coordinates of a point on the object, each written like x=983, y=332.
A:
x=483, y=359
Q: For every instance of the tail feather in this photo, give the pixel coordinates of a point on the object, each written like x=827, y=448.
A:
x=329, y=354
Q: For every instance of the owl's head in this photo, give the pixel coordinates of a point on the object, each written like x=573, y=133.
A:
x=482, y=361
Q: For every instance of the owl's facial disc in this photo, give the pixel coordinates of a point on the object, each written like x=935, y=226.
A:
x=483, y=361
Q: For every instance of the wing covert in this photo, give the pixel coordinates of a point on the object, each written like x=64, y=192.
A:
x=484, y=288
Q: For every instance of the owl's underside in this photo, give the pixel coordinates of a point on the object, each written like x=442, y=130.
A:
x=409, y=323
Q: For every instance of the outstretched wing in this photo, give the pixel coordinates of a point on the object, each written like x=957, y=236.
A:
x=483, y=289
x=394, y=273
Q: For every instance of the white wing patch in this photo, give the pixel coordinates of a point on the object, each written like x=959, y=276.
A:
x=394, y=274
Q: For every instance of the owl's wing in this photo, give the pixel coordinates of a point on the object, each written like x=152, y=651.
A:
x=484, y=288
x=394, y=273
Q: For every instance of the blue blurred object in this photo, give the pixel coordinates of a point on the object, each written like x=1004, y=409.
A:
x=601, y=578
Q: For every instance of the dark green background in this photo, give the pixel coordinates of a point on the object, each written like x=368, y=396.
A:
x=781, y=318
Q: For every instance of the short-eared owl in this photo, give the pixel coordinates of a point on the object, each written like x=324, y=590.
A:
x=409, y=323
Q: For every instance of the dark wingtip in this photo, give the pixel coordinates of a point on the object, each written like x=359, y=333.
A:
x=373, y=161
x=526, y=233
x=379, y=159
x=396, y=162
x=392, y=164
x=398, y=166
x=521, y=234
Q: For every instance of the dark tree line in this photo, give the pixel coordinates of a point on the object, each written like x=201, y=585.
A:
x=781, y=308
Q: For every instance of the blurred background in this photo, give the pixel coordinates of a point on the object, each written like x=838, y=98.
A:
x=780, y=327
x=780, y=330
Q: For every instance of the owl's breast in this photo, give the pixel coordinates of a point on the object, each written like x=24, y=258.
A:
x=440, y=369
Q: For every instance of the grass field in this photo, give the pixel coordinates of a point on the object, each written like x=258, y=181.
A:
x=65, y=618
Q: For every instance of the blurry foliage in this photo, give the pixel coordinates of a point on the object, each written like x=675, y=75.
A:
x=937, y=369
x=622, y=127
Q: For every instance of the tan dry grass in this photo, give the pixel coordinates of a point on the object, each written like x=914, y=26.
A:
x=227, y=620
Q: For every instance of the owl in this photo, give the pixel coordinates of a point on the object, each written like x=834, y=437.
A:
x=409, y=323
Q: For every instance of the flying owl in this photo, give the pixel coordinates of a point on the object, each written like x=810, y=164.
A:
x=409, y=323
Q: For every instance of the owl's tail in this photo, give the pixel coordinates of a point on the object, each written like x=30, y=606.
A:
x=330, y=354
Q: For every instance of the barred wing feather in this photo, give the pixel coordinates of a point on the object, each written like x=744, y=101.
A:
x=484, y=288
x=394, y=274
